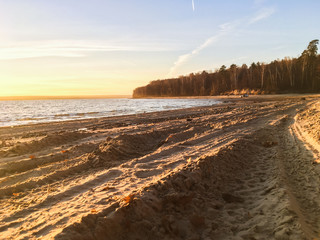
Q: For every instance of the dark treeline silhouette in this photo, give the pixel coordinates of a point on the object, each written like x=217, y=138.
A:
x=295, y=75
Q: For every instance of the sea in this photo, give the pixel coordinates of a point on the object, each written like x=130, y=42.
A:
x=21, y=112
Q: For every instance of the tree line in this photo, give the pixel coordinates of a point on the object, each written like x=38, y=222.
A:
x=289, y=75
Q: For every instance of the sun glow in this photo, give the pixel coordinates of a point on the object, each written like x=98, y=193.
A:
x=61, y=48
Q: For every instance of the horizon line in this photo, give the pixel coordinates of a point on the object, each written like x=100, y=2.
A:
x=35, y=97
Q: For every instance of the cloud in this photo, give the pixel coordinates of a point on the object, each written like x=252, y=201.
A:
x=20, y=53
x=193, y=5
x=259, y=2
x=223, y=30
x=185, y=57
x=71, y=48
x=262, y=14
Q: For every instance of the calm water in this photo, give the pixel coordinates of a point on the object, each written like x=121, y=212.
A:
x=35, y=111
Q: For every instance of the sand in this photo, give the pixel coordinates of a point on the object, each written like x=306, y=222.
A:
x=243, y=169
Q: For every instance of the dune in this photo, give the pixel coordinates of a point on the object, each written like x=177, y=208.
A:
x=244, y=169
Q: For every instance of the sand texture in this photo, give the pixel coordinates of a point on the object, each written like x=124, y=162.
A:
x=243, y=169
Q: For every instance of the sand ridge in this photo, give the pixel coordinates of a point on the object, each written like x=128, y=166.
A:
x=240, y=170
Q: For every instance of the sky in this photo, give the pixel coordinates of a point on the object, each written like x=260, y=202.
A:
x=104, y=47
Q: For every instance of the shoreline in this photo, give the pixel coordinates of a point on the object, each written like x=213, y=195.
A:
x=221, y=99
x=68, y=111
x=94, y=120
x=209, y=172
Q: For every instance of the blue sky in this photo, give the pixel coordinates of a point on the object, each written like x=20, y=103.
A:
x=77, y=47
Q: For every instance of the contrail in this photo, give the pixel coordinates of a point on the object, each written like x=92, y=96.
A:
x=263, y=13
x=192, y=5
x=225, y=29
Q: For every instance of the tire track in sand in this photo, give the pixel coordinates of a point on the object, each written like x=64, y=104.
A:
x=48, y=221
x=263, y=186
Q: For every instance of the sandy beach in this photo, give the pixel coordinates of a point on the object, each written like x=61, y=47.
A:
x=247, y=168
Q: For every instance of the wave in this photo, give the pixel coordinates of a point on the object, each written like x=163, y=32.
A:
x=17, y=112
x=31, y=119
x=62, y=115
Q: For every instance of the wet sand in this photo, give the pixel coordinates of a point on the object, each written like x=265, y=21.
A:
x=244, y=169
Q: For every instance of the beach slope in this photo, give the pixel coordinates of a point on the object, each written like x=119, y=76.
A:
x=244, y=169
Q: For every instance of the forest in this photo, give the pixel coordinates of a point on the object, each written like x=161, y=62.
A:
x=289, y=75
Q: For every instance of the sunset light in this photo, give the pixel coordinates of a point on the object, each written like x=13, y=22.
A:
x=167, y=119
x=77, y=47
